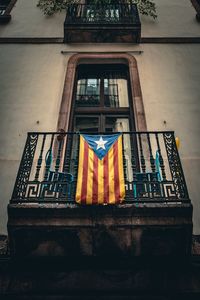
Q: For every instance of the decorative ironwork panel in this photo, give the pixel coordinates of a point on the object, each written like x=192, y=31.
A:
x=118, y=13
x=25, y=167
x=175, y=166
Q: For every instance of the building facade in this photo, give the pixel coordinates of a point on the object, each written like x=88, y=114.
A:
x=77, y=73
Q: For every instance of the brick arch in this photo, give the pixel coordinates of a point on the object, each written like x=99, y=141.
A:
x=76, y=59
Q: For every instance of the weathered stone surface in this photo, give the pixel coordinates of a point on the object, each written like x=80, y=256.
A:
x=4, y=245
x=100, y=231
x=196, y=245
x=107, y=34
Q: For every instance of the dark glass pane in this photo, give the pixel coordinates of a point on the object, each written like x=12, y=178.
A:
x=104, y=85
x=111, y=94
x=116, y=124
x=4, y=2
x=88, y=92
x=86, y=124
x=116, y=92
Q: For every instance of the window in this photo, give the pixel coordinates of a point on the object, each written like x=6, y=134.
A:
x=101, y=103
x=101, y=86
x=101, y=98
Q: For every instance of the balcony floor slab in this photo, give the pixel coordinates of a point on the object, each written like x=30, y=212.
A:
x=100, y=231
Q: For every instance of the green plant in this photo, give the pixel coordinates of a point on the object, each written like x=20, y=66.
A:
x=146, y=7
x=49, y=7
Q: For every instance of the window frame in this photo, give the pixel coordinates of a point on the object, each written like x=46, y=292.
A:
x=102, y=110
x=66, y=105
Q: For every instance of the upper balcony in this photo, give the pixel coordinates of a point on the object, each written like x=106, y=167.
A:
x=155, y=217
x=4, y=11
x=118, y=22
x=196, y=4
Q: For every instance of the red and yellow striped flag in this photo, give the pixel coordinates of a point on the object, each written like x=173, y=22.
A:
x=100, y=171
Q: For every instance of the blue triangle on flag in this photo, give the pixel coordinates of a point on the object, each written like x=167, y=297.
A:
x=101, y=144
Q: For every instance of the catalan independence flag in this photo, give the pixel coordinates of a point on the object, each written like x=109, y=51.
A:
x=100, y=171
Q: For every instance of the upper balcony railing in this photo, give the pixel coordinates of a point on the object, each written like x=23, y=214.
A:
x=152, y=168
x=119, y=13
x=118, y=22
x=196, y=4
x=4, y=14
x=2, y=9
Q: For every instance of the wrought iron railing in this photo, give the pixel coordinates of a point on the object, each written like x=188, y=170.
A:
x=104, y=13
x=152, y=168
x=3, y=6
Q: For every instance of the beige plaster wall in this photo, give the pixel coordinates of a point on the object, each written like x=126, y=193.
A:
x=175, y=18
x=29, y=21
x=31, y=84
x=169, y=76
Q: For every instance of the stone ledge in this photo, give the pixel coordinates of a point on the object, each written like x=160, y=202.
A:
x=107, y=231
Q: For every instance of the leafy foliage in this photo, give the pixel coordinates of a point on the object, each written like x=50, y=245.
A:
x=146, y=7
x=49, y=7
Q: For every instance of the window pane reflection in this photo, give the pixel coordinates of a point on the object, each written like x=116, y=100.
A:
x=102, y=85
x=88, y=92
x=116, y=92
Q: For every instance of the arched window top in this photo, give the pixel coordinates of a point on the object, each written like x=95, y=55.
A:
x=127, y=62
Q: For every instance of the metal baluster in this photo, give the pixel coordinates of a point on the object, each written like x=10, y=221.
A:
x=115, y=18
x=39, y=162
x=127, y=15
x=67, y=156
x=132, y=12
x=60, y=143
x=133, y=163
x=84, y=14
x=76, y=156
x=125, y=7
x=75, y=14
x=75, y=166
x=120, y=12
x=67, y=164
x=124, y=159
x=161, y=161
x=82, y=11
x=103, y=12
x=108, y=15
x=48, y=161
x=152, y=161
x=142, y=160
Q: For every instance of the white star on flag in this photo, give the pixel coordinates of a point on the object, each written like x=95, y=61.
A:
x=101, y=143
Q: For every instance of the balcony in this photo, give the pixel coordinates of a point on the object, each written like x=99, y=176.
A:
x=154, y=219
x=5, y=17
x=87, y=23
x=196, y=4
